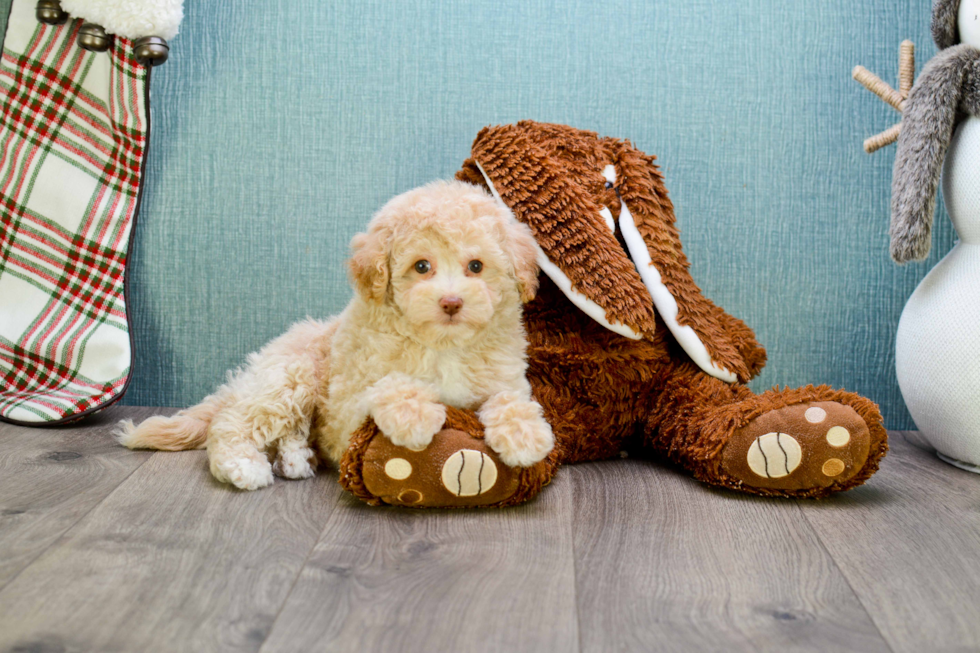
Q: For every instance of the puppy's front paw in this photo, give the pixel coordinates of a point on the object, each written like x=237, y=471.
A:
x=410, y=422
x=521, y=443
x=517, y=431
x=406, y=410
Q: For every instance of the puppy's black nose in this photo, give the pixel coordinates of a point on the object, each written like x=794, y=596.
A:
x=451, y=305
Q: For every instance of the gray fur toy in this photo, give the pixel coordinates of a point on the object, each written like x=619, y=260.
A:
x=948, y=88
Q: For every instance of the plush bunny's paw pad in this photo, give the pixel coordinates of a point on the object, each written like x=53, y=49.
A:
x=801, y=447
x=455, y=470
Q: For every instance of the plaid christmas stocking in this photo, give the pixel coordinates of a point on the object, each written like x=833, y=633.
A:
x=74, y=126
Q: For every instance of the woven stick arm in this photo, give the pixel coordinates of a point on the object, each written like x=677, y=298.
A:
x=906, y=68
x=886, y=137
x=894, y=99
x=879, y=87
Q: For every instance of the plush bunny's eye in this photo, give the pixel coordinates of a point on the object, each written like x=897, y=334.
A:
x=423, y=266
x=475, y=266
x=609, y=184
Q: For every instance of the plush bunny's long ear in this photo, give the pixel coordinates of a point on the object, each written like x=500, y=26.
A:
x=544, y=173
x=647, y=222
x=927, y=127
x=574, y=247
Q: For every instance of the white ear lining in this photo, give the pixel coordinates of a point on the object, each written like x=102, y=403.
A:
x=564, y=284
x=585, y=304
x=608, y=217
x=664, y=301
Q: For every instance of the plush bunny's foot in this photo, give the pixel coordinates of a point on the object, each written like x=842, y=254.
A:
x=456, y=470
x=807, y=449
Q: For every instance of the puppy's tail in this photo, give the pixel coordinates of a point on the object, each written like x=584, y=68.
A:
x=188, y=429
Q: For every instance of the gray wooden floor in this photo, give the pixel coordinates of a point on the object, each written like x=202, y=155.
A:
x=104, y=549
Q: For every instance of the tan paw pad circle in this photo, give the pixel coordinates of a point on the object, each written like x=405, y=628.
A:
x=398, y=469
x=410, y=497
x=468, y=473
x=833, y=467
x=838, y=437
x=815, y=415
x=774, y=455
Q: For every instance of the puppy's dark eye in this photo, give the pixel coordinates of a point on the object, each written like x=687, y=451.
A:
x=609, y=184
x=423, y=266
x=475, y=267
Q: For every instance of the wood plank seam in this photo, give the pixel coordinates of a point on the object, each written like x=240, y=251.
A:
x=840, y=569
x=299, y=571
x=571, y=536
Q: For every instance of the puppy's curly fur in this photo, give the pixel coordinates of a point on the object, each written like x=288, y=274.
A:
x=440, y=276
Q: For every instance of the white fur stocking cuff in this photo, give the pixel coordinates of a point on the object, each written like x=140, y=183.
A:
x=130, y=19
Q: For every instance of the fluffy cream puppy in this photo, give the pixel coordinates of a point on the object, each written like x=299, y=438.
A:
x=440, y=276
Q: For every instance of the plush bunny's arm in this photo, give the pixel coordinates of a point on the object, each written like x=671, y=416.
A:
x=927, y=126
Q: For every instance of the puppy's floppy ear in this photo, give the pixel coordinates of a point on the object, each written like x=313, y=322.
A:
x=368, y=264
x=522, y=249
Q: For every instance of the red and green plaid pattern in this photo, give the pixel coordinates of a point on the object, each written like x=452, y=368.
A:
x=73, y=134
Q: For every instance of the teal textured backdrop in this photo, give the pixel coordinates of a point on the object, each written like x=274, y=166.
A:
x=279, y=127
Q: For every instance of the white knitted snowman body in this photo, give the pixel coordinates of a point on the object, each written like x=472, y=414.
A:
x=938, y=340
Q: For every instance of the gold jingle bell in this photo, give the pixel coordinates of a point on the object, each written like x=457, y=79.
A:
x=93, y=38
x=50, y=12
x=151, y=50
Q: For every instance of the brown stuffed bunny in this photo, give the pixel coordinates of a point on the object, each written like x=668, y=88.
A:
x=624, y=351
